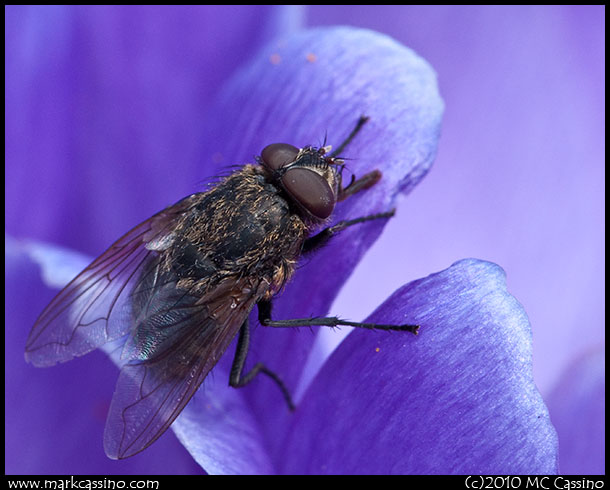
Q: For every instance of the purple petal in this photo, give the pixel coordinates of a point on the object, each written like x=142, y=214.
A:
x=220, y=431
x=458, y=398
x=577, y=407
x=294, y=91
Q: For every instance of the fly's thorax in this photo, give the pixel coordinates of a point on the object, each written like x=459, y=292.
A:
x=242, y=227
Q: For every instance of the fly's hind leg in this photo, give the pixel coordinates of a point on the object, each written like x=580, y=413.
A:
x=264, y=317
x=238, y=379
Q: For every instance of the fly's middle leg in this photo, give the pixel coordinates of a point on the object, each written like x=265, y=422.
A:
x=320, y=239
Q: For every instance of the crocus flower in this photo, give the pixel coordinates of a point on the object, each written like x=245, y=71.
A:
x=464, y=387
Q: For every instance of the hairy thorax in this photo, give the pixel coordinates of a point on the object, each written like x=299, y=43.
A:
x=241, y=228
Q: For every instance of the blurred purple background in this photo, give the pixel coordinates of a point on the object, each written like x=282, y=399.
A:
x=102, y=102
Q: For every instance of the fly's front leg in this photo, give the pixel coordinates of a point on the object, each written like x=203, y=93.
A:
x=264, y=317
x=238, y=380
x=365, y=182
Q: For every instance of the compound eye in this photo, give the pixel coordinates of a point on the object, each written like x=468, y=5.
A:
x=311, y=191
x=277, y=155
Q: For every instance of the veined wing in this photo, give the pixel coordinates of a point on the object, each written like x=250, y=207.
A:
x=94, y=308
x=177, y=341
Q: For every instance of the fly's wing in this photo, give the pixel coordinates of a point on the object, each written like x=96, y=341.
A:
x=173, y=335
x=94, y=308
x=177, y=340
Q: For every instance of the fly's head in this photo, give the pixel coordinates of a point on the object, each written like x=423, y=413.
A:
x=310, y=176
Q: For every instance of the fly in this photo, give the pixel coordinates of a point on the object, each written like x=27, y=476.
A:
x=179, y=287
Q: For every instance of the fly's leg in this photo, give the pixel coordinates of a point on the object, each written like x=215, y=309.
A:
x=264, y=317
x=317, y=241
x=320, y=239
x=237, y=379
x=361, y=122
x=365, y=182
x=355, y=186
